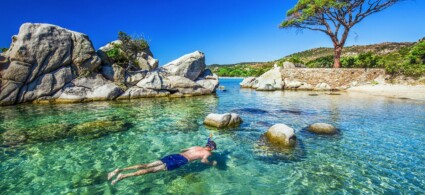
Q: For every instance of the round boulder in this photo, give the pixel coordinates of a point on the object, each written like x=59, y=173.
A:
x=223, y=120
x=322, y=128
x=281, y=135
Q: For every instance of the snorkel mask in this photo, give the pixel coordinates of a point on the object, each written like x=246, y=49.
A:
x=211, y=144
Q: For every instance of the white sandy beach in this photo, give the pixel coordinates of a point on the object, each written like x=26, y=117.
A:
x=416, y=92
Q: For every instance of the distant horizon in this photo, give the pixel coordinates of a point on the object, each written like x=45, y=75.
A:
x=227, y=32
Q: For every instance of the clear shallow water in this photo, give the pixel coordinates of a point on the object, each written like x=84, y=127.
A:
x=380, y=148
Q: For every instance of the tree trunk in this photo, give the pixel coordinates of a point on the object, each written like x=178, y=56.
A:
x=337, y=56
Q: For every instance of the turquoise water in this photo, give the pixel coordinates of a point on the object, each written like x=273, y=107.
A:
x=380, y=147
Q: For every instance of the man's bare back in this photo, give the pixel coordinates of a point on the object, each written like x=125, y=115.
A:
x=196, y=153
x=169, y=162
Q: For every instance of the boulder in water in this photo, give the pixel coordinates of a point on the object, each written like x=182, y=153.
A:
x=322, y=128
x=223, y=120
x=248, y=82
x=270, y=80
x=322, y=87
x=281, y=135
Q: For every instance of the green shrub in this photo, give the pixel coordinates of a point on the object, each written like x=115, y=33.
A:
x=367, y=60
x=417, y=53
x=322, y=62
x=125, y=54
x=348, y=62
x=117, y=55
x=3, y=49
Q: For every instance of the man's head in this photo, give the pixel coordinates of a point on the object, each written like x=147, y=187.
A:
x=211, y=145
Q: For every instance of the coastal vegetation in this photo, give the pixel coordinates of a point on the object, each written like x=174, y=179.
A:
x=124, y=52
x=396, y=58
x=241, y=69
x=3, y=49
x=335, y=18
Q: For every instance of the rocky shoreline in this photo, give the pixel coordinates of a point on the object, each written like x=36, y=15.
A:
x=313, y=79
x=49, y=64
x=370, y=81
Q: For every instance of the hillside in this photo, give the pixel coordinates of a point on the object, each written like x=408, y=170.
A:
x=405, y=58
x=379, y=49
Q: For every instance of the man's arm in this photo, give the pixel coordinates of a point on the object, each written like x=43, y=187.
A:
x=206, y=161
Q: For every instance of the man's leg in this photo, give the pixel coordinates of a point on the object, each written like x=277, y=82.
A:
x=142, y=166
x=120, y=176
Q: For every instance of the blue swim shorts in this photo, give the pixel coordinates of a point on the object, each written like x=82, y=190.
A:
x=174, y=161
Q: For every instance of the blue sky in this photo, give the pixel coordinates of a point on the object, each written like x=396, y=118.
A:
x=227, y=31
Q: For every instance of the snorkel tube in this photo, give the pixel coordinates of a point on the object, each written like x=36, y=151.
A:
x=211, y=143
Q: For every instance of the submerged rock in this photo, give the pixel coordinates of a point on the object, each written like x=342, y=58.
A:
x=95, y=129
x=13, y=137
x=49, y=132
x=322, y=128
x=223, y=120
x=281, y=135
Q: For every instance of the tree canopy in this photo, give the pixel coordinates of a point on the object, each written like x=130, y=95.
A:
x=335, y=18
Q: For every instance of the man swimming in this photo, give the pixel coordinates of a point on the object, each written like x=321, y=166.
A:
x=169, y=162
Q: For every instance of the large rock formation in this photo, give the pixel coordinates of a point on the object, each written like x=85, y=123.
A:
x=41, y=60
x=47, y=63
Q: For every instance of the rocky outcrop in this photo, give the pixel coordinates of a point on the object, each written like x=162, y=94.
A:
x=47, y=63
x=223, y=120
x=322, y=128
x=190, y=66
x=269, y=81
x=281, y=135
x=248, y=82
x=93, y=88
x=322, y=87
x=41, y=60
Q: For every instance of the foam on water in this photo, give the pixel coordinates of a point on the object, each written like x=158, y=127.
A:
x=380, y=147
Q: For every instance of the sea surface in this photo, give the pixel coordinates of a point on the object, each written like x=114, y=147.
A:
x=380, y=147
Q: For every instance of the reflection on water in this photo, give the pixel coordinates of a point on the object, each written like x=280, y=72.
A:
x=379, y=148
